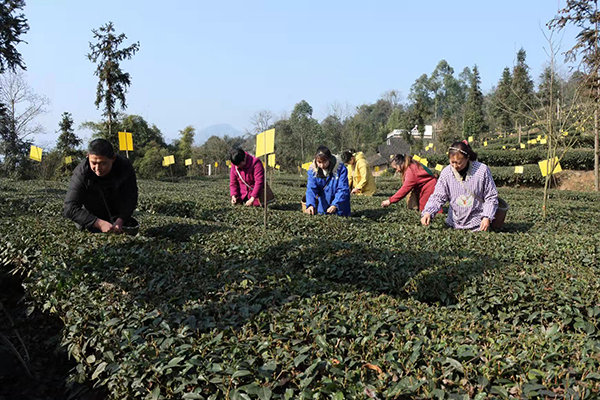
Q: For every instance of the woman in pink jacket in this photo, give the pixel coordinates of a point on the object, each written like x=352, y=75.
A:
x=415, y=177
x=246, y=179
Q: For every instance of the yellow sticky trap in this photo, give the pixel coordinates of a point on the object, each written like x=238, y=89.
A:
x=546, y=166
x=216, y=165
x=68, y=160
x=35, y=153
x=122, y=141
x=188, y=161
x=129, y=141
x=417, y=158
x=200, y=161
x=377, y=169
x=306, y=166
x=566, y=134
x=539, y=137
x=164, y=162
x=265, y=143
x=503, y=147
x=168, y=160
x=470, y=139
x=485, y=144
x=519, y=170
x=439, y=167
x=228, y=163
x=271, y=160
x=171, y=160
x=277, y=166
x=424, y=162
x=523, y=145
x=543, y=141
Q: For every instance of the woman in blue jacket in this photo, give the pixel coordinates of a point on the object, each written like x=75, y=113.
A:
x=327, y=190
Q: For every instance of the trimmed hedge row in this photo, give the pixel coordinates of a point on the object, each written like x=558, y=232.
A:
x=575, y=159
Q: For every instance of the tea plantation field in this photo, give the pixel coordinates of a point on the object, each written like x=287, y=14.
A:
x=204, y=304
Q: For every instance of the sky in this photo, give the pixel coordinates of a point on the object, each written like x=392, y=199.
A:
x=203, y=63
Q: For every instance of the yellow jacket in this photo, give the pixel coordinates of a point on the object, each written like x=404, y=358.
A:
x=361, y=176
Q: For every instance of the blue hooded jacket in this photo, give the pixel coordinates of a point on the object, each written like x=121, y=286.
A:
x=332, y=190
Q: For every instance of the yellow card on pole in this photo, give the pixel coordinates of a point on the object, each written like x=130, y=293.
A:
x=164, y=162
x=424, y=162
x=377, y=169
x=503, y=147
x=523, y=145
x=470, y=139
x=35, y=153
x=485, y=143
x=543, y=141
x=306, y=166
x=68, y=160
x=265, y=143
x=171, y=160
x=417, y=158
x=539, y=137
x=439, y=167
x=546, y=166
x=129, y=139
x=271, y=160
x=188, y=161
x=122, y=141
x=216, y=164
x=200, y=161
x=277, y=166
x=519, y=170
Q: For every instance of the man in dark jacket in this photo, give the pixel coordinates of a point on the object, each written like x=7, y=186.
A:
x=103, y=190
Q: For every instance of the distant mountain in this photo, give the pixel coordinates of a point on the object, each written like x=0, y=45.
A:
x=219, y=130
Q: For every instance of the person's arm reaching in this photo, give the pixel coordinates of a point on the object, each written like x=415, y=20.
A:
x=73, y=207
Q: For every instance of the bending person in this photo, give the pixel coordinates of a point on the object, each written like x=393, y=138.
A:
x=103, y=191
x=327, y=190
x=360, y=178
x=415, y=177
x=246, y=178
x=469, y=187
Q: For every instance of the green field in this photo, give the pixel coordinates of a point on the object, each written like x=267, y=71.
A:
x=204, y=304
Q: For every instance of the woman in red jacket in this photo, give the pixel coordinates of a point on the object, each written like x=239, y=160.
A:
x=415, y=177
x=246, y=178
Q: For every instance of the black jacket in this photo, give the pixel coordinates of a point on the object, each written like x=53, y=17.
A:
x=91, y=197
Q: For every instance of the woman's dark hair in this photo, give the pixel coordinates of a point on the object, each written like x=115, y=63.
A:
x=347, y=155
x=237, y=156
x=463, y=148
x=403, y=161
x=323, y=153
x=101, y=147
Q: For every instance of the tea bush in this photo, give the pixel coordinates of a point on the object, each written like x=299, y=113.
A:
x=206, y=304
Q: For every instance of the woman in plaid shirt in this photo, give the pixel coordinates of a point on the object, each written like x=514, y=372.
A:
x=469, y=187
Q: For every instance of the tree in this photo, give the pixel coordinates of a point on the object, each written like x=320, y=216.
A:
x=186, y=142
x=304, y=128
x=522, y=95
x=112, y=81
x=12, y=26
x=549, y=86
x=393, y=97
x=500, y=108
x=261, y=121
x=585, y=15
x=67, y=141
x=143, y=132
x=474, y=120
x=450, y=130
x=23, y=105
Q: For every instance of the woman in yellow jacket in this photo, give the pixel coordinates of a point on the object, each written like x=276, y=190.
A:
x=360, y=178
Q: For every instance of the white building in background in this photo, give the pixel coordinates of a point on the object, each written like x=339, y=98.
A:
x=428, y=134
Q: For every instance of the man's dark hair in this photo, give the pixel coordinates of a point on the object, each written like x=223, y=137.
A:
x=237, y=156
x=101, y=147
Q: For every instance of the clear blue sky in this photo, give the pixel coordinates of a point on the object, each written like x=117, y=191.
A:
x=210, y=62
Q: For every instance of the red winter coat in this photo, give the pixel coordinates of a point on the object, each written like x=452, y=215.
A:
x=253, y=174
x=417, y=180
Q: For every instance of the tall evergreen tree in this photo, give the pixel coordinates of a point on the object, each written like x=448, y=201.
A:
x=304, y=129
x=549, y=86
x=67, y=141
x=12, y=26
x=501, y=102
x=112, y=81
x=522, y=96
x=474, y=120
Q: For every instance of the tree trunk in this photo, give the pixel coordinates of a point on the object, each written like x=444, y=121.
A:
x=596, y=148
